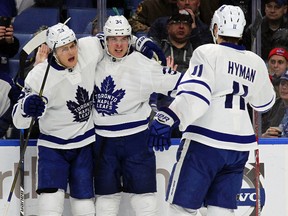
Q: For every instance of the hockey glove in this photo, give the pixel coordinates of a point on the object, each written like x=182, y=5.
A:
x=160, y=129
x=149, y=49
x=14, y=93
x=33, y=106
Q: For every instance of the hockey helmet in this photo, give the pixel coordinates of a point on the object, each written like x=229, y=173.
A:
x=117, y=26
x=60, y=34
x=230, y=21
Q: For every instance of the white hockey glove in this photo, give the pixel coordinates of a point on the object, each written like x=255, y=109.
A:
x=160, y=129
x=149, y=49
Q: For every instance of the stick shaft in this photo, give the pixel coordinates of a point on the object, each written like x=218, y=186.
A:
x=22, y=153
x=257, y=183
x=22, y=171
x=19, y=163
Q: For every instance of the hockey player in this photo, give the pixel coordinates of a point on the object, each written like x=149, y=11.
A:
x=66, y=126
x=124, y=81
x=211, y=109
x=65, y=119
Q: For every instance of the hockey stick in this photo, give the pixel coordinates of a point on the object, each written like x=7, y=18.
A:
x=35, y=42
x=21, y=197
x=257, y=183
x=29, y=49
x=24, y=147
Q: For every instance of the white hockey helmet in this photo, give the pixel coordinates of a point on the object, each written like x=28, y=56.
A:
x=230, y=21
x=60, y=34
x=117, y=26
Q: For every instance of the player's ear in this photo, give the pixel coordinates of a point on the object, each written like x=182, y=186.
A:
x=215, y=30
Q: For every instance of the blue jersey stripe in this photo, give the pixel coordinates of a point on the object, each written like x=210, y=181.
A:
x=60, y=141
x=265, y=105
x=176, y=86
x=197, y=82
x=221, y=136
x=195, y=94
x=123, y=126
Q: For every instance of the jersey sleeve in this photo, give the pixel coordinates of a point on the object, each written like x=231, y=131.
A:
x=154, y=77
x=194, y=90
x=264, y=97
x=165, y=81
x=92, y=47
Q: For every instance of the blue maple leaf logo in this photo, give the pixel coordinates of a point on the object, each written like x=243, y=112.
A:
x=81, y=109
x=106, y=100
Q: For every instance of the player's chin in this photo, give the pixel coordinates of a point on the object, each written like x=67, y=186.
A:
x=119, y=54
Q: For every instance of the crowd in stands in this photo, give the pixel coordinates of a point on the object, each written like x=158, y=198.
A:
x=177, y=26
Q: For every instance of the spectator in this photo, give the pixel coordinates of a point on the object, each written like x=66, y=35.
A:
x=200, y=32
x=178, y=46
x=275, y=123
x=9, y=45
x=274, y=19
x=277, y=65
x=148, y=11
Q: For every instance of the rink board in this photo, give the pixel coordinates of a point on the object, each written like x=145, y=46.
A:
x=274, y=178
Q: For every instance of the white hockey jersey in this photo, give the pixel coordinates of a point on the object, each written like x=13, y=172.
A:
x=5, y=89
x=67, y=121
x=122, y=92
x=212, y=97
